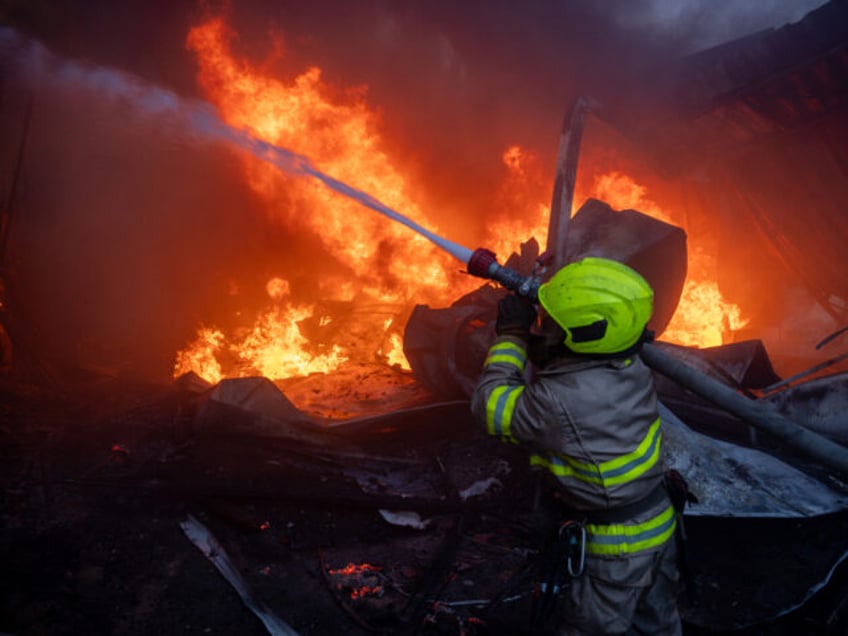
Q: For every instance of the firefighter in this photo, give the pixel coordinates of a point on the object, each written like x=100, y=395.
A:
x=589, y=418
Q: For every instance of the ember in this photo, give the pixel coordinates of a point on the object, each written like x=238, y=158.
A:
x=360, y=581
x=354, y=569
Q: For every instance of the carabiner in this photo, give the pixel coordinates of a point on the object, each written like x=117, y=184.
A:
x=575, y=535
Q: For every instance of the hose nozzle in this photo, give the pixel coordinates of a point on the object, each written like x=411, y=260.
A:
x=483, y=263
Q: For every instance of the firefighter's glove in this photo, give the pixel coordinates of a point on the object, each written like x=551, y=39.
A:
x=516, y=314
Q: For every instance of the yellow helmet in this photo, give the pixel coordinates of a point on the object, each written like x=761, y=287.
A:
x=602, y=305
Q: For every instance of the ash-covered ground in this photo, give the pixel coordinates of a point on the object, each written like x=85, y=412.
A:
x=98, y=479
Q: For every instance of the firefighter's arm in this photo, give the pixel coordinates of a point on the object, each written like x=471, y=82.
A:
x=501, y=385
x=508, y=406
x=502, y=399
x=502, y=381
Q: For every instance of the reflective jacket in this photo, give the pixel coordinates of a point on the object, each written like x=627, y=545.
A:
x=593, y=423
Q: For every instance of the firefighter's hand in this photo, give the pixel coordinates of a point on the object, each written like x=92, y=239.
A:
x=516, y=314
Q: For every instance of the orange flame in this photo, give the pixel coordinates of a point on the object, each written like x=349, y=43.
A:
x=341, y=136
x=201, y=356
x=519, y=200
x=702, y=319
x=392, y=349
x=273, y=347
x=342, y=139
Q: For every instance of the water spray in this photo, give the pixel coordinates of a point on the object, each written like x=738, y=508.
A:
x=480, y=262
x=201, y=119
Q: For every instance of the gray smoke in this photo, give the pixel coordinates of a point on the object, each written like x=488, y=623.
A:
x=701, y=24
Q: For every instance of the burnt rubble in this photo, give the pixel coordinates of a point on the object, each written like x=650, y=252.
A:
x=412, y=521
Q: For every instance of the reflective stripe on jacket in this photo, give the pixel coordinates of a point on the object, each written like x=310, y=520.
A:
x=593, y=423
x=622, y=469
x=619, y=539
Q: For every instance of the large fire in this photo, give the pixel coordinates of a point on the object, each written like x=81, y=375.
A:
x=341, y=135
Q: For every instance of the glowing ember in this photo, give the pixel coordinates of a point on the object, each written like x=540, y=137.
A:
x=360, y=580
x=366, y=591
x=352, y=569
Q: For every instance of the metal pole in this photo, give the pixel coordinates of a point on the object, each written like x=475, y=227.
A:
x=826, y=452
x=566, y=175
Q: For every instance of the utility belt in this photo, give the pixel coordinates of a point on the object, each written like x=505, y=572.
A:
x=622, y=514
x=566, y=557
